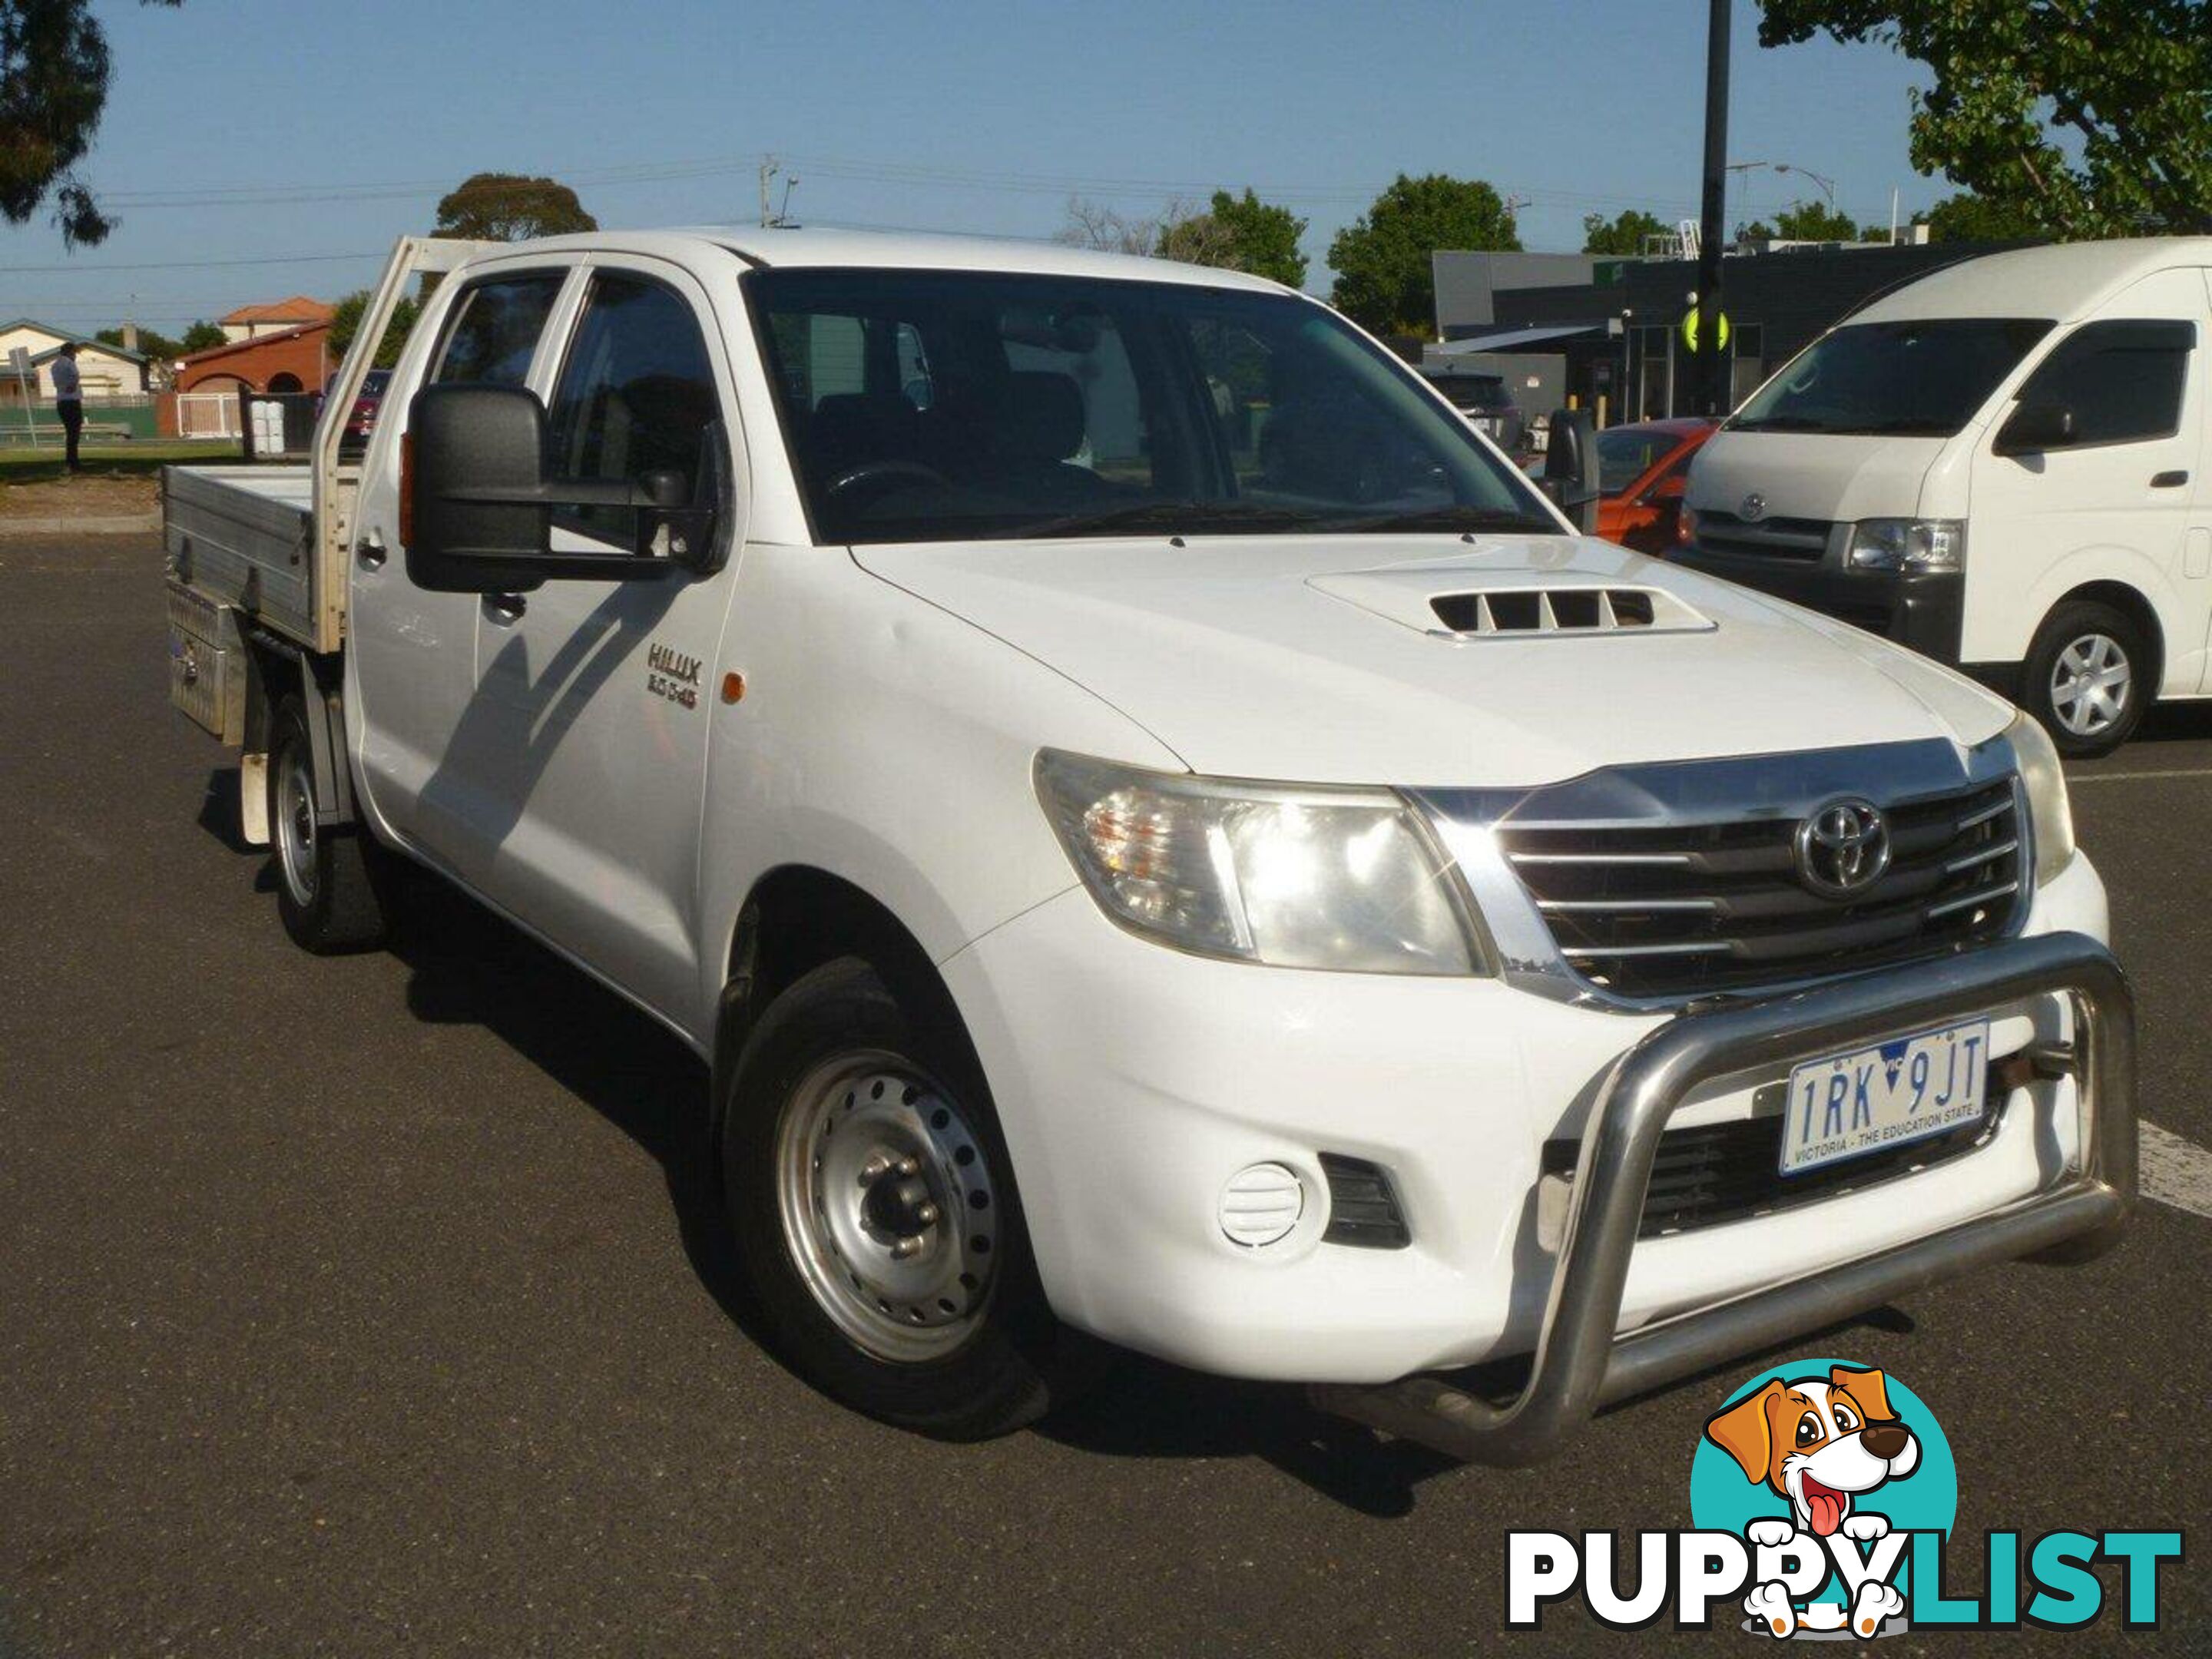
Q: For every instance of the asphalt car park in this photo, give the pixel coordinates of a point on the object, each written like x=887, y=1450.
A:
x=378, y=1303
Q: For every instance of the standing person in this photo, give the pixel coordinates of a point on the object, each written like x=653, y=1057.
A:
x=68, y=402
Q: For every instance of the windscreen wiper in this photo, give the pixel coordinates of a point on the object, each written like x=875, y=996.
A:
x=1187, y=516
x=1445, y=517
x=1779, y=423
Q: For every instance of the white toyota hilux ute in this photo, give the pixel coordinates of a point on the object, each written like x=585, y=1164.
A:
x=1160, y=831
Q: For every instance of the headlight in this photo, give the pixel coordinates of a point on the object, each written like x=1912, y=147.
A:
x=1297, y=877
x=1909, y=544
x=2044, y=783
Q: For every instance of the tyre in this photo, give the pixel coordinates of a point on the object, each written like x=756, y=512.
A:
x=875, y=1211
x=328, y=892
x=2088, y=678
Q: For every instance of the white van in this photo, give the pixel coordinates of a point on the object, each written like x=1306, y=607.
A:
x=2006, y=464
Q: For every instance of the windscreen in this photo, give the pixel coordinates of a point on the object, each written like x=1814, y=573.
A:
x=1913, y=379
x=933, y=406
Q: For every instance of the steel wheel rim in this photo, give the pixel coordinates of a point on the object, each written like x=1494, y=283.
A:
x=295, y=827
x=889, y=1206
x=2090, y=684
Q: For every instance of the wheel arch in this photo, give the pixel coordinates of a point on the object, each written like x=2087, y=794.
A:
x=797, y=917
x=2130, y=601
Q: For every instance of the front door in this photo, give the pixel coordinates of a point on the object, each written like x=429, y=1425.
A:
x=589, y=726
x=413, y=653
x=2115, y=503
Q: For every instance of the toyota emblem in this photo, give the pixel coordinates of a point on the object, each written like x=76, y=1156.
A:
x=1754, y=508
x=1843, y=847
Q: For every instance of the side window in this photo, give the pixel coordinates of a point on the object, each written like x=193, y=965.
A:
x=637, y=395
x=494, y=330
x=2123, y=380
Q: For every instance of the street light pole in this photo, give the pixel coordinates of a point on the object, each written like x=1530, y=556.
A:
x=1709, y=363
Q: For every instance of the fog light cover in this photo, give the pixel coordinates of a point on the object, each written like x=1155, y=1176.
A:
x=1260, y=1205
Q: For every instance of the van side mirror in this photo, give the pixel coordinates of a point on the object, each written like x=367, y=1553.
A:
x=477, y=506
x=2034, y=428
x=1570, y=466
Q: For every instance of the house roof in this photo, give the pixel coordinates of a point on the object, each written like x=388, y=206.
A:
x=62, y=337
x=230, y=346
x=297, y=309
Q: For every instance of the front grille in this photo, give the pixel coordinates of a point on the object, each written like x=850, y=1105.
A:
x=1803, y=539
x=1722, y=1172
x=1682, y=909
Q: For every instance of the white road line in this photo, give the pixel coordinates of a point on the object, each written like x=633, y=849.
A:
x=2079, y=778
x=2174, y=1171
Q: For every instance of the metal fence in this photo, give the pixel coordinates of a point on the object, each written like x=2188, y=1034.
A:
x=209, y=415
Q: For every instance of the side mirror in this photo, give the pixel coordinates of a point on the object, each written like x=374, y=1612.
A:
x=477, y=504
x=1570, y=466
x=472, y=471
x=2034, y=428
x=1669, y=489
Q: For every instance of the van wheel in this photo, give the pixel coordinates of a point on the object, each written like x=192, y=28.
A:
x=2087, y=678
x=874, y=1208
x=328, y=892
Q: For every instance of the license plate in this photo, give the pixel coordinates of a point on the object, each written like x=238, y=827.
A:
x=1904, y=1090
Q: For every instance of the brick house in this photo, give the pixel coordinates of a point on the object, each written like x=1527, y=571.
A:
x=270, y=317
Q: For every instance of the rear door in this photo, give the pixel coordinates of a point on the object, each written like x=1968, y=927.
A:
x=2114, y=505
x=588, y=732
x=413, y=653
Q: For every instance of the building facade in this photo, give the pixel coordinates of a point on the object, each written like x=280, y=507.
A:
x=1618, y=328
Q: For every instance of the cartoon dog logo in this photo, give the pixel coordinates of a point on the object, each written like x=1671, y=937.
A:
x=1821, y=1443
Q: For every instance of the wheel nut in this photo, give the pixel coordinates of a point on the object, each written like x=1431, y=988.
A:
x=926, y=1215
x=906, y=1246
x=909, y=1166
x=875, y=1169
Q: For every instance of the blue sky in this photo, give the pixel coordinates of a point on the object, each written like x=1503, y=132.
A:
x=250, y=130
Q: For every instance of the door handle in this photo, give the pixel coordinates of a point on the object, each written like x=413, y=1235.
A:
x=2173, y=480
x=370, y=551
x=505, y=609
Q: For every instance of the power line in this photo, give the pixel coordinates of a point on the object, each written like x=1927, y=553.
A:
x=196, y=264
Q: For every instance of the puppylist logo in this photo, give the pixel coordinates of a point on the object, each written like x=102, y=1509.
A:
x=1822, y=1495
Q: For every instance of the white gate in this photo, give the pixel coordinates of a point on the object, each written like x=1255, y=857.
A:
x=207, y=415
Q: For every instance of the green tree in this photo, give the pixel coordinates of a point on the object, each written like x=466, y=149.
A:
x=507, y=207
x=2080, y=118
x=345, y=323
x=54, y=67
x=159, y=347
x=1384, y=280
x=1626, y=234
x=1238, y=234
x=201, y=335
x=1814, y=222
x=1967, y=218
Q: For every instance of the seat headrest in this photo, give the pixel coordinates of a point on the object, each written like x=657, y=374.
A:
x=1039, y=416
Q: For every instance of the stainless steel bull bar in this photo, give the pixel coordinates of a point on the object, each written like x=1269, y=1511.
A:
x=1581, y=1362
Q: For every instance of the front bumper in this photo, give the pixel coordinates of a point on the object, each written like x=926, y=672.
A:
x=1133, y=1083
x=1582, y=1361
x=1922, y=612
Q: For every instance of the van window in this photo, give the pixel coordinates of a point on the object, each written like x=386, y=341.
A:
x=494, y=330
x=2122, y=379
x=637, y=395
x=1923, y=378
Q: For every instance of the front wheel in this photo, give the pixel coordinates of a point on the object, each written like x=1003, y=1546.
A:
x=875, y=1210
x=2088, y=677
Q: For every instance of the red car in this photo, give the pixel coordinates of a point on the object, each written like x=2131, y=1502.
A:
x=1640, y=473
